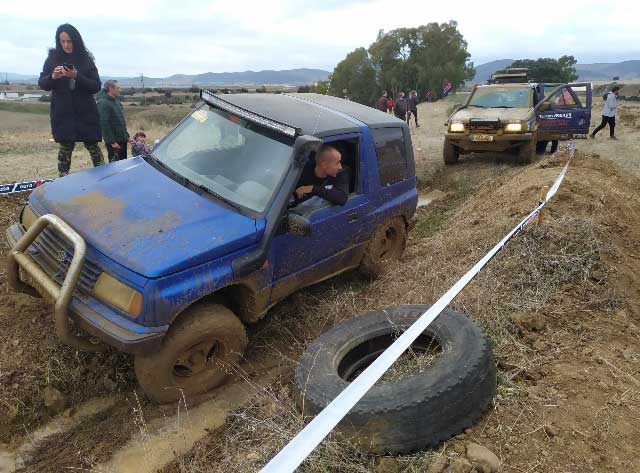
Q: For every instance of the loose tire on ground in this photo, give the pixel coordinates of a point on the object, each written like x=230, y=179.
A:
x=450, y=153
x=414, y=412
x=386, y=245
x=195, y=356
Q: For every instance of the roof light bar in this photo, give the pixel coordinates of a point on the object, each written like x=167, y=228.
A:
x=217, y=102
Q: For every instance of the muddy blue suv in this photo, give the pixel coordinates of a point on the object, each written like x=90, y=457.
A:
x=167, y=256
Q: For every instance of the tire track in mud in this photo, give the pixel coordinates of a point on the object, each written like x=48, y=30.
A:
x=162, y=440
x=13, y=459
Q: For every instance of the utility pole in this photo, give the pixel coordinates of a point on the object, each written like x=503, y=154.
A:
x=142, y=86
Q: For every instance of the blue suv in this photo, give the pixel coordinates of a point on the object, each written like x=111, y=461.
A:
x=168, y=255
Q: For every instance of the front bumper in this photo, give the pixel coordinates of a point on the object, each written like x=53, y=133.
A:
x=498, y=143
x=111, y=328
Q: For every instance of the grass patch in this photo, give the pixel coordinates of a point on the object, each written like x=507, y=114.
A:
x=25, y=107
x=435, y=216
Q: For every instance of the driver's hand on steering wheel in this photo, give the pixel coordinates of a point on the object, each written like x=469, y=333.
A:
x=302, y=190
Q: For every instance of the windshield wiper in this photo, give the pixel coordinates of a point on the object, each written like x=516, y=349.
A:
x=479, y=106
x=189, y=183
x=503, y=106
x=204, y=188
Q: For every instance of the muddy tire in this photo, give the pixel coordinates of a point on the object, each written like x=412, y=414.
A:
x=196, y=354
x=527, y=152
x=450, y=153
x=386, y=245
x=414, y=412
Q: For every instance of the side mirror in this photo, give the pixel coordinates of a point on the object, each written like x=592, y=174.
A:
x=545, y=107
x=298, y=225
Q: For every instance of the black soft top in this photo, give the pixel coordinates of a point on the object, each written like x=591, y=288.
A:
x=314, y=114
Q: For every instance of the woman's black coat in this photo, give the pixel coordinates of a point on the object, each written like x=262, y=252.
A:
x=74, y=114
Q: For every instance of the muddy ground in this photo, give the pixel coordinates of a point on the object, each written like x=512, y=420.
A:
x=561, y=306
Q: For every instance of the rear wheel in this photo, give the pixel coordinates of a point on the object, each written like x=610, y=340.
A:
x=197, y=354
x=450, y=153
x=386, y=245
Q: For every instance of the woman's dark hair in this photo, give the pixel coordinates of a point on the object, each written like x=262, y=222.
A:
x=80, y=52
x=615, y=89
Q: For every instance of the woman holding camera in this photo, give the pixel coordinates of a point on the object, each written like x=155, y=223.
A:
x=71, y=74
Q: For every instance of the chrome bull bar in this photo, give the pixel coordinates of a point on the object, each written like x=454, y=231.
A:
x=62, y=295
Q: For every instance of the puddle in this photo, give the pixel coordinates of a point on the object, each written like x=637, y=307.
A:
x=13, y=459
x=426, y=199
x=161, y=440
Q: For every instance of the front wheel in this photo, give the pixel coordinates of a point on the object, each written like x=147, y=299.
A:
x=450, y=153
x=197, y=354
x=387, y=244
x=527, y=152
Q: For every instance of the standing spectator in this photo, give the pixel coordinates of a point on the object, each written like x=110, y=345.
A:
x=413, y=107
x=114, y=127
x=400, y=107
x=70, y=73
x=383, y=102
x=390, y=104
x=609, y=113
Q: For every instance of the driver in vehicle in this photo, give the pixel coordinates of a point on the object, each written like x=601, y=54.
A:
x=326, y=178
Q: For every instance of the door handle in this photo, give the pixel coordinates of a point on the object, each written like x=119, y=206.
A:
x=352, y=217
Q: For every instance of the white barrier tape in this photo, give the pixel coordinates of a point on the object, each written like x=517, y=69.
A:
x=22, y=186
x=299, y=448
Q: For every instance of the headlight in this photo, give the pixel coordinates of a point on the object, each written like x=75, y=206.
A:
x=28, y=218
x=456, y=127
x=111, y=291
x=514, y=127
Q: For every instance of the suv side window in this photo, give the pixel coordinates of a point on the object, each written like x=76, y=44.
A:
x=392, y=155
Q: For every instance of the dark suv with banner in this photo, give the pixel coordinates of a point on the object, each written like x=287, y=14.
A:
x=513, y=117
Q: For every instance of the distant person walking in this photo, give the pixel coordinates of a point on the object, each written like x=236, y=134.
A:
x=383, y=102
x=70, y=73
x=400, y=107
x=413, y=107
x=609, y=113
x=112, y=122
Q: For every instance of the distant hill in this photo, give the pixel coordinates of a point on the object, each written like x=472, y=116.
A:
x=484, y=71
x=290, y=77
x=626, y=70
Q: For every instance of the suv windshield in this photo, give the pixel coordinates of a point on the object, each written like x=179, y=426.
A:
x=233, y=158
x=507, y=97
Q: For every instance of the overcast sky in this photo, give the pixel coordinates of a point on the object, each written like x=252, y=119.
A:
x=164, y=37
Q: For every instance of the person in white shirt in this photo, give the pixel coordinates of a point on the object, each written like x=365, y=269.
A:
x=609, y=113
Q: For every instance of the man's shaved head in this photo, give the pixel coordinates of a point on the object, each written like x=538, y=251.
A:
x=328, y=161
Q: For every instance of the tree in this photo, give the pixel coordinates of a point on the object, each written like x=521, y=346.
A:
x=550, y=70
x=355, y=78
x=422, y=58
x=304, y=89
x=320, y=87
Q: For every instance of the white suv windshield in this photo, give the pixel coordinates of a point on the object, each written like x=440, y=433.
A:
x=502, y=97
x=236, y=159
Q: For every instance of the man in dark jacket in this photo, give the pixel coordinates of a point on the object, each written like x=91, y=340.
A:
x=71, y=75
x=112, y=122
x=413, y=107
x=400, y=107
x=324, y=178
x=383, y=102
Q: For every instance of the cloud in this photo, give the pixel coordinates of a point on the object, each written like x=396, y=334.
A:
x=162, y=37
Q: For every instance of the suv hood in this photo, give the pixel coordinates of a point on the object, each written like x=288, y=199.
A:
x=145, y=221
x=502, y=114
